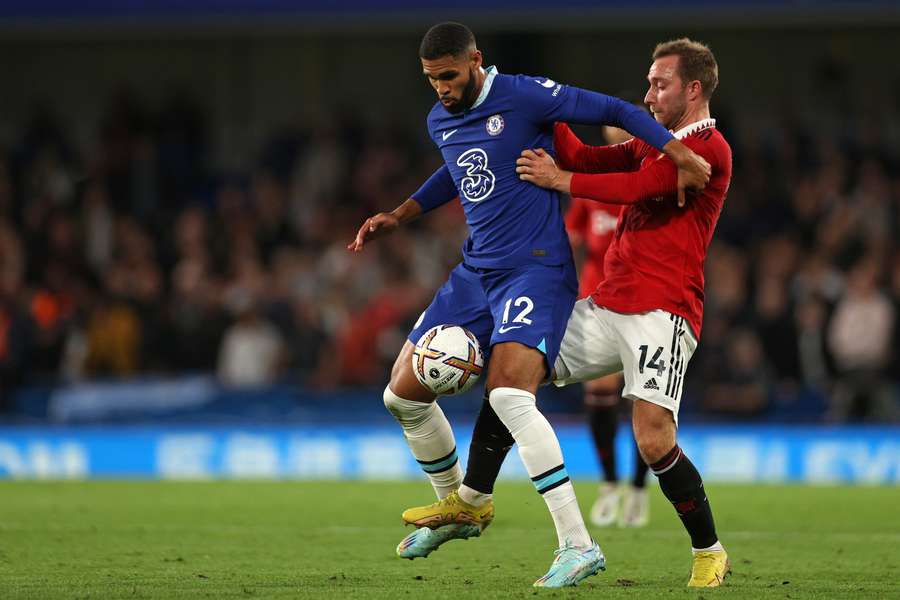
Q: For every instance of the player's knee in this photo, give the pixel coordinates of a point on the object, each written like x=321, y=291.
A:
x=652, y=448
x=502, y=375
x=654, y=439
x=654, y=430
x=408, y=412
x=515, y=366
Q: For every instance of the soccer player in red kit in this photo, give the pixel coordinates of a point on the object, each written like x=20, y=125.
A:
x=644, y=318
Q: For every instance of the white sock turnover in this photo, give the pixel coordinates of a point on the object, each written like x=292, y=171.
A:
x=430, y=439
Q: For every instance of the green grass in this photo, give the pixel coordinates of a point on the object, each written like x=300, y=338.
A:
x=336, y=540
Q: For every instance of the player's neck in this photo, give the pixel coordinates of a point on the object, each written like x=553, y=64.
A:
x=692, y=116
x=480, y=78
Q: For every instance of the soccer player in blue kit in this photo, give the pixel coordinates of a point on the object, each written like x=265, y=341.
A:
x=515, y=287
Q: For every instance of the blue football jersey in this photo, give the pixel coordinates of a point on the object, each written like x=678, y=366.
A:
x=513, y=222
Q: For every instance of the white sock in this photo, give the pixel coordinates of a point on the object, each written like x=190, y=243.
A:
x=473, y=497
x=430, y=439
x=540, y=453
x=717, y=547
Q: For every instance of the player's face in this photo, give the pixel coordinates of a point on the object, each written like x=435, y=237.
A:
x=667, y=95
x=454, y=79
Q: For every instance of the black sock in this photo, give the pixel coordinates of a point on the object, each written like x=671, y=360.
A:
x=491, y=442
x=603, y=421
x=640, y=469
x=681, y=484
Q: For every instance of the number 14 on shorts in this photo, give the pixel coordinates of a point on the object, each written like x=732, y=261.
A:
x=655, y=361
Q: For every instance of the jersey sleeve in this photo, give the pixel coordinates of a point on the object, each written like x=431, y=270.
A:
x=437, y=190
x=656, y=179
x=574, y=155
x=548, y=101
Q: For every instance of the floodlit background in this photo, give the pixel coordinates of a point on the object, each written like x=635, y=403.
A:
x=178, y=182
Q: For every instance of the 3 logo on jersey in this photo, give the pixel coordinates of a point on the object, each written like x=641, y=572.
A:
x=479, y=180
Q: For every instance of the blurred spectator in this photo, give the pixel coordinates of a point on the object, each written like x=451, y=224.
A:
x=815, y=363
x=252, y=350
x=741, y=386
x=860, y=341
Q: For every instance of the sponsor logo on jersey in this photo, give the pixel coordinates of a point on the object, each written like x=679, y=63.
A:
x=547, y=83
x=495, y=125
x=478, y=182
x=447, y=134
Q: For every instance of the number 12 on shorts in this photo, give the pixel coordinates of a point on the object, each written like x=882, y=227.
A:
x=655, y=362
x=519, y=320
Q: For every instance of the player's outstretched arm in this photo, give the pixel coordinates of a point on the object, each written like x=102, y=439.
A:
x=577, y=105
x=382, y=224
x=436, y=191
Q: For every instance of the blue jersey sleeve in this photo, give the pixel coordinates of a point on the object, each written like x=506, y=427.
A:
x=437, y=190
x=548, y=102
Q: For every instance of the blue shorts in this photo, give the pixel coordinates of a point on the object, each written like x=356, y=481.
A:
x=530, y=305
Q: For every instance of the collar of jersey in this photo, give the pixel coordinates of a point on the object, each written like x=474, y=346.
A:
x=486, y=88
x=693, y=128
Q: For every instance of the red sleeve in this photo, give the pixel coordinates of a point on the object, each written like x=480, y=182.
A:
x=658, y=178
x=574, y=155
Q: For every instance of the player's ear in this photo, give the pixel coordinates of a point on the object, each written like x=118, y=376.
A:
x=695, y=89
x=476, y=58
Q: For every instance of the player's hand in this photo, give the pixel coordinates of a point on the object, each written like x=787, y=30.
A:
x=374, y=227
x=539, y=168
x=693, y=170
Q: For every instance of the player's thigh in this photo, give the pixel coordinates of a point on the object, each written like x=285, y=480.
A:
x=589, y=348
x=655, y=349
x=403, y=380
x=530, y=307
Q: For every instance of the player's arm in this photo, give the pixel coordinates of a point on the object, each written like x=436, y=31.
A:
x=436, y=191
x=574, y=155
x=692, y=170
x=575, y=105
x=659, y=178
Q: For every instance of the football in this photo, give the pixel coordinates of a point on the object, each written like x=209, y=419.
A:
x=447, y=360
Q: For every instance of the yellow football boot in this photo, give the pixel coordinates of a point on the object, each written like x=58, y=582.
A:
x=451, y=509
x=709, y=569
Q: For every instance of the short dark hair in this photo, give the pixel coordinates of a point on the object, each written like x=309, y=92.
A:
x=446, y=39
x=696, y=62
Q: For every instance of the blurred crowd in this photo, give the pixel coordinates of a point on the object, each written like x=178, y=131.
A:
x=134, y=257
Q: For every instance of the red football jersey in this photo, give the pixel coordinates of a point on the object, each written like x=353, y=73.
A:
x=655, y=260
x=591, y=225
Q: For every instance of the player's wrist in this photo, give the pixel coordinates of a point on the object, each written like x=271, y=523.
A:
x=407, y=211
x=563, y=181
x=677, y=151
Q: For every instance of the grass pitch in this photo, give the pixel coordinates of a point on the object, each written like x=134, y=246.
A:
x=336, y=540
